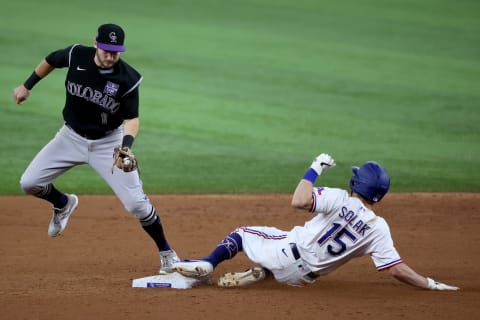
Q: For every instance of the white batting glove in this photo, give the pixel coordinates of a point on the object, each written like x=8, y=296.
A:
x=322, y=163
x=434, y=285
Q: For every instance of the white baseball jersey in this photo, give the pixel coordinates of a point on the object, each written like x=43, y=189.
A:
x=342, y=229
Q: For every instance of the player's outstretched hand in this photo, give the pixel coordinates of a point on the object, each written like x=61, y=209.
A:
x=322, y=163
x=434, y=285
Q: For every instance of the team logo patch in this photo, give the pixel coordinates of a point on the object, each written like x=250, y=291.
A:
x=113, y=37
x=230, y=245
x=111, y=89
x=319, y=191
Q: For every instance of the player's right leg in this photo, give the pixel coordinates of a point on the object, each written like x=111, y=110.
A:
x=194, y=268
x=59, y=155
x=60, y=217
x=226, y=249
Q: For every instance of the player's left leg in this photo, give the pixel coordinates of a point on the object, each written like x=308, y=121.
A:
x=270, y=247
x=240, y=279
x=128, y=188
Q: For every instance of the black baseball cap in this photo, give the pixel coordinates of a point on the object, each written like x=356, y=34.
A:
x=110, y=37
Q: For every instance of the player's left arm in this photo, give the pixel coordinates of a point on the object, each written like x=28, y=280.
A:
x=302, y=197
x=123, y=157
x=131, y=123
x=131, y=127
x=130, y=131
x=405, y=274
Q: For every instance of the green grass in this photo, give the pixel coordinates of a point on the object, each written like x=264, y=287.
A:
x=241, y=96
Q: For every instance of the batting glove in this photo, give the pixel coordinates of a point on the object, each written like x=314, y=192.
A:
x=322, y=163
x=434, y=285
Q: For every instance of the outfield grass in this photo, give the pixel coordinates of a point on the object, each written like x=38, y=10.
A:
x=241, y=96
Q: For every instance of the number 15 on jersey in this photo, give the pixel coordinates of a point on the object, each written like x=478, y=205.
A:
x=338, y=236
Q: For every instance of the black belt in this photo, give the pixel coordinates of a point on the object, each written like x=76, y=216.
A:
x=295, y=252
x=296, y=255
x=91, y=136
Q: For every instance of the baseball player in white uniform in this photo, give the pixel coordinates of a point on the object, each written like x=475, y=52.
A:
x=344, y=226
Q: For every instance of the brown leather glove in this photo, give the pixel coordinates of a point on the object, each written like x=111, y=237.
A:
x=124, y=159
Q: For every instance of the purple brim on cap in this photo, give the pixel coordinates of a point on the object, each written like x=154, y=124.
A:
x=110, y=47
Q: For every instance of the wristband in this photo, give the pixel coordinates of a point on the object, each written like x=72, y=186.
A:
x=311, y=175
x=127, y=141
x=431, y=284
x=31, y=81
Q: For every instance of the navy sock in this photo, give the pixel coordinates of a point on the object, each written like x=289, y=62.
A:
x=226, y=249
x=52, y=195
x=155, y=231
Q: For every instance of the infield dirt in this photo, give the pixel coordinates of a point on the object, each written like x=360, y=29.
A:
x=86, y=273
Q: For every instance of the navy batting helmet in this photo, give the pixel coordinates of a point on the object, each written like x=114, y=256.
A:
x=371, y=181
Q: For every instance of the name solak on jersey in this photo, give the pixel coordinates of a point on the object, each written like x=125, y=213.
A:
x=102, y=99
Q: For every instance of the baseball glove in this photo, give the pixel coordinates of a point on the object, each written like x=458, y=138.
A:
x=124, y=159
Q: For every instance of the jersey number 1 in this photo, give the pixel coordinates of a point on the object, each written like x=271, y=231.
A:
x=104, y=117
x=334, y=231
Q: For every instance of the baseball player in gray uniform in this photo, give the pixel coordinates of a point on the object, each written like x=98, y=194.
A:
x=343, y=226
x=100, y=114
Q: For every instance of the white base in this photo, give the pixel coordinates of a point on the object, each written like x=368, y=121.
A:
x=172, y=280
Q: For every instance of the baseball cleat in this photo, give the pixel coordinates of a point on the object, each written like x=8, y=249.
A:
x=239, y=279
x=194, y=268
x=60, y=216
x=167, y=259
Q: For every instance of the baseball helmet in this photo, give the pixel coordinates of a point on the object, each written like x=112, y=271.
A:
x=370, y=180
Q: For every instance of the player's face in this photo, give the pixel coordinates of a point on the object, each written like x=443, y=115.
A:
x=106, y=59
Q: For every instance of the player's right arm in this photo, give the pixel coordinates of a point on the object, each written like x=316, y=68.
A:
x=405, y=274
x=21, y=93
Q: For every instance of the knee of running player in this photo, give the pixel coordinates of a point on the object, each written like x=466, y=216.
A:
x=140, y=208
x=31, y=186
